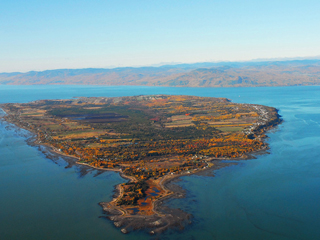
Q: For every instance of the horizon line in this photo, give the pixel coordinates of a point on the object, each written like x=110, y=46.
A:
x=162, y=64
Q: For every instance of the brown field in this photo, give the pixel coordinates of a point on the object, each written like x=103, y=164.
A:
x=115, y=144
x=179, y=121
x=33, y=114
x=92, y=107
x=80, y=135
x=220, y=123
x=54, y=126
x=173, y=161
x=164, y=164
x=179, y=118
x=74, y=126
x=230, y=129
x=178, y=125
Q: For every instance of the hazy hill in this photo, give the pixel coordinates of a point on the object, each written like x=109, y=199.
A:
x=223, y=74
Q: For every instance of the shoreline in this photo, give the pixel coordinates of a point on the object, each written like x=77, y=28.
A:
x=163, y=217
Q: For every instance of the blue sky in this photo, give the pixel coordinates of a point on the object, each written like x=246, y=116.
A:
x=39, y=35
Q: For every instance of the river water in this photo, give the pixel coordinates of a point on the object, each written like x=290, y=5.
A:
x=275, y=196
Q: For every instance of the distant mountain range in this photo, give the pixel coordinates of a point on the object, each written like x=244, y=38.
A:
x=222, y=74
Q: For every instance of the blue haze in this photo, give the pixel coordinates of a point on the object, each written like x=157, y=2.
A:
x=275, y=196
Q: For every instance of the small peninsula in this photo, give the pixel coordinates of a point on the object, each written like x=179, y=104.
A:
x=150, y=140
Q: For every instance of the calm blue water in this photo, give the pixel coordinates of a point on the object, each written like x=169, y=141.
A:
x=275, y=196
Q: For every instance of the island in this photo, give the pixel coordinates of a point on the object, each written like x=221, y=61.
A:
x=150, y=140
